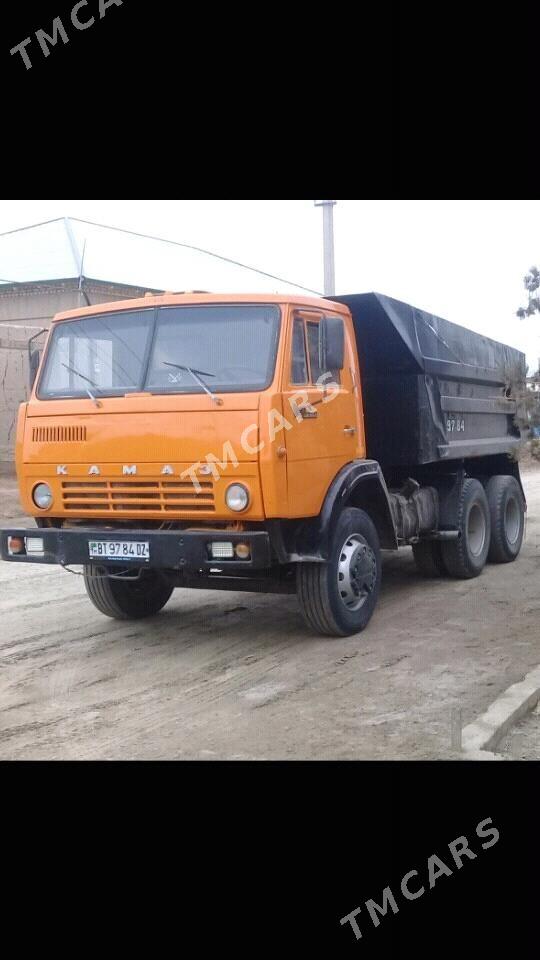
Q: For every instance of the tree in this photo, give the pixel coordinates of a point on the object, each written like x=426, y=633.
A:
x=528, y=400
x=532, y=285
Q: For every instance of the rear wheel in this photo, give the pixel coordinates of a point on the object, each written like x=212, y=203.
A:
x=507, y=510
x=338, y=598
x=466, y=557
x=127, y=599
x=428, y=558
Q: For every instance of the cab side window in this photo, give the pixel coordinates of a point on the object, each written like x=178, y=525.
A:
x=313, y=346
x=318, y=375
x=299, y=371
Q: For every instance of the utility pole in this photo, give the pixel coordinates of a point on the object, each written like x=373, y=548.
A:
x=329, y=256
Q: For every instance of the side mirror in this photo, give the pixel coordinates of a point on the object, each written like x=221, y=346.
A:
x=34, y=357
x=34, y=360
x=332, y=344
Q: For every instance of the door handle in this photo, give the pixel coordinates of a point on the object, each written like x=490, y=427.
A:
x=350, y=431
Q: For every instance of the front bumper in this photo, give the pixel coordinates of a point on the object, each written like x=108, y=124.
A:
x=183, y=551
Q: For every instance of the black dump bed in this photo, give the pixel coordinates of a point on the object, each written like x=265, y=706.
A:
x=433, y=391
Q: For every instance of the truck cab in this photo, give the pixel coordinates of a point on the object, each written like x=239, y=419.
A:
x=214, y=442
x=150, y=412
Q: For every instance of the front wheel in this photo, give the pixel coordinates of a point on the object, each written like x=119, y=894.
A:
x=127, y=599
x=338, y=598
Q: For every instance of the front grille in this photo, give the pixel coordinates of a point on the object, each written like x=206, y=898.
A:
x=59, y=434
x=106, y=496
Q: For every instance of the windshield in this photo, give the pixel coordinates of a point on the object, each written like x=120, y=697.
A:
x=186, y=350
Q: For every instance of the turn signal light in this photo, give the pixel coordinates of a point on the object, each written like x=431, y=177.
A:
x=243, y=551
x=16, y=545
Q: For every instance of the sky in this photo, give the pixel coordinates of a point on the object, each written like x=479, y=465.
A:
x=461, y=259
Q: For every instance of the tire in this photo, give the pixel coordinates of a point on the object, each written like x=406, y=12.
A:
x=466, y=557
x=122, y=600
x=338, y=598
x=428, y=558
x=507, y=509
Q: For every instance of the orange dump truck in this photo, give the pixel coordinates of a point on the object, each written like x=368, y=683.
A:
x=266, y=443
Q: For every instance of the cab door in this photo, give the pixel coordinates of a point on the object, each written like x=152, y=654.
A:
x=323, y=410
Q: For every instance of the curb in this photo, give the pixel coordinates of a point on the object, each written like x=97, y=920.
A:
x=486, y=733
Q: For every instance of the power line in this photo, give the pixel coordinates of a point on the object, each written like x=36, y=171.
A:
x=32, y=226
x=174, y=243
x=188, y=246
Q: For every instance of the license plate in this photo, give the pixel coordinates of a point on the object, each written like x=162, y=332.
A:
x=118, y=550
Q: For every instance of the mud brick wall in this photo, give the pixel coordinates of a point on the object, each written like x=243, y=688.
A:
x=14, y=387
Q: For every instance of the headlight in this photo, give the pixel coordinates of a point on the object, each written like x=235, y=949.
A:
x=42, y=496
x=237, y=498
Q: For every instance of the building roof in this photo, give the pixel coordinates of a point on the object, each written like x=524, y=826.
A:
x=68, y=248
x=36, y=287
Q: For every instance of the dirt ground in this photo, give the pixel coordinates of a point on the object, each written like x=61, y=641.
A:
x=9, y=499
x=238, y=676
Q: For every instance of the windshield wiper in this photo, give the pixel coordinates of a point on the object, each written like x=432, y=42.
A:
x=82, y=377
x=197, y=374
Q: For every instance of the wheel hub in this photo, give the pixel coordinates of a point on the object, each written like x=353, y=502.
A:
x=476, y=530
x=357, y=572
x=512, y=520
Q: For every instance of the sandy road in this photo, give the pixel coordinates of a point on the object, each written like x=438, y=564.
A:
x=238, y=676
